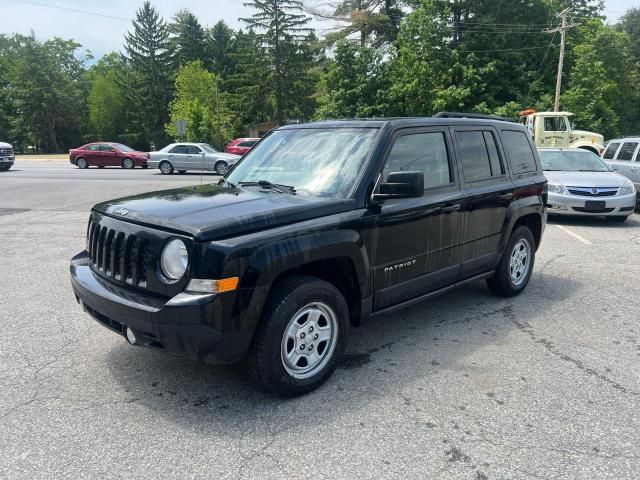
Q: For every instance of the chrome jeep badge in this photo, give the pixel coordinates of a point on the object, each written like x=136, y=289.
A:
x=122, y=211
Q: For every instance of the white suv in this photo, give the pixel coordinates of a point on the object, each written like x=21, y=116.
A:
x=6, y=156
x=623, y=156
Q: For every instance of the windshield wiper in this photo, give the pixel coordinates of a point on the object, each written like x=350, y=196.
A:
x=266, y=184
x=227, y=182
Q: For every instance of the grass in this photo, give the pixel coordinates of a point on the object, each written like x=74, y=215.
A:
x=43, y=157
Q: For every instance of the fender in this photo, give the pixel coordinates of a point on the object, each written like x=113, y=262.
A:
x=587, y=146
x=518, y=209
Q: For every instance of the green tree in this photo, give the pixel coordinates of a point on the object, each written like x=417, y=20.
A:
x=148, y=86
x=220, y=48
x=630, y=24
x=281, y=27
x=187, y=37
x=106, y=99
x=197, y=100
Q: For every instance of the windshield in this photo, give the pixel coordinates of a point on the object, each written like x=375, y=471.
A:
x=123, y=148
x=572, y=161
x=208, y=148
x=319, y=162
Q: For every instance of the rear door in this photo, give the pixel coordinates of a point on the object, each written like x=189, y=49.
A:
x=416, y=240
x=488, y=194
x=93, y=155
x=178, y=157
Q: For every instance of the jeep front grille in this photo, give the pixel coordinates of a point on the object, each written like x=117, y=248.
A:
x=6, y=152
x=124, y=258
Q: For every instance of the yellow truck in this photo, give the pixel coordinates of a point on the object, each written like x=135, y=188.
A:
x=553, y=129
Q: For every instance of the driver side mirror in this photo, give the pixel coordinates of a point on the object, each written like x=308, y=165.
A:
x=400, y=185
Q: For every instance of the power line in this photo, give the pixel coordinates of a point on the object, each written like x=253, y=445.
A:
x=507, y=49
x=75, y=10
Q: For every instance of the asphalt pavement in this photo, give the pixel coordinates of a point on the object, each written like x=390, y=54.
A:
x=466, y=386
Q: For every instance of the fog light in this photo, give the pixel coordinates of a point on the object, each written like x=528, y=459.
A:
x=131, y=337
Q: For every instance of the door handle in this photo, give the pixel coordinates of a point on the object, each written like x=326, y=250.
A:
x=505, y=196
x=450, y=208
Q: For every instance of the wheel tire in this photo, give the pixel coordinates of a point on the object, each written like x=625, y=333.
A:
x=617, y=219
x=182, y=172
x=221, y=168
x=166, y=168
x=503, y=283
x=82, y=163
x=128, y=164
x=288, y=301
x=101, y=166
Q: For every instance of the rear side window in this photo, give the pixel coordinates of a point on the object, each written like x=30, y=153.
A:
x=627, y=150
x=179, y=149
x=519, y=152
x=611, y=151
x=480, y=158
x=250, y=143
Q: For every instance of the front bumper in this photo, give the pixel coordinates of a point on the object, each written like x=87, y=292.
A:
x=561, y=204
x=153, y=163
x=4, y=161
x=183, y=324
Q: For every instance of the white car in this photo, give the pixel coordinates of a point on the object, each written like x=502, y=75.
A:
x=580, y=183
x=7, y=156
x=182, y=157
x=623, y=156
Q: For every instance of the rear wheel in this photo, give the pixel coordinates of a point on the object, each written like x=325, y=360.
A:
x=128, y=164
x=166, y=168
x=617, y=219
x=82, y=163
x=221, y=168
x=302, y=335
x=515, y=268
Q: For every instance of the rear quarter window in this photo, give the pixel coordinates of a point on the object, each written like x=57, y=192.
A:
x=519, y=152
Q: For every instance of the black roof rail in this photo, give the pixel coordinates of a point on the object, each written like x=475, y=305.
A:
x=472, y=115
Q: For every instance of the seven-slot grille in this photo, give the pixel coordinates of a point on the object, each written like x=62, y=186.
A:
x=122, y=257
x=593, y=191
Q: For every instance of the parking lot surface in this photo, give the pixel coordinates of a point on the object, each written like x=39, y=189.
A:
x=467, y=386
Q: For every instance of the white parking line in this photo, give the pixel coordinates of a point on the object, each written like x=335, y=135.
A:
x=580, y=238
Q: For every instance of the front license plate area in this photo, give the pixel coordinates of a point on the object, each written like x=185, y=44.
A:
x=595, y=205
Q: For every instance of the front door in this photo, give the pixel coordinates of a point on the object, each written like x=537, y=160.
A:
x=195, y=159
x=489, y=192
x=555, y=132
x=416, y=240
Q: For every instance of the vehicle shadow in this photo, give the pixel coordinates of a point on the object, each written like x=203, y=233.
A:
x=596, y=222
x=409, y=347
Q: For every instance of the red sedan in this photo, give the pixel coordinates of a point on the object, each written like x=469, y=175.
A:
x=240, y=146
x=105, y=154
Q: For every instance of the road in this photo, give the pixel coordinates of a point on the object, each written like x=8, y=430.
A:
x=467, y=386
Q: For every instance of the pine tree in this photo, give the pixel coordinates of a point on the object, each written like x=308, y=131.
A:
x=219, y=49
x=281, y=27
x=149, y=57
x=187, y=37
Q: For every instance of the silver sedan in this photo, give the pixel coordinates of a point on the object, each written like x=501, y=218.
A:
x=182, y=157
x=580, y=183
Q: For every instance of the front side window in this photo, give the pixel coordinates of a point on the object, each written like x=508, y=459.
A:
x=193, y=150
x=519, y=152
x=555, y=124
x=627, y=151
x=421, y=152
x=123, y=148
x=611, y=151
x=208, y=148
x=315, y=161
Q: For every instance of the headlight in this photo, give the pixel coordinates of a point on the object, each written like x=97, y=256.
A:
x=174, y=259
x=628, y=189
x=556, y=188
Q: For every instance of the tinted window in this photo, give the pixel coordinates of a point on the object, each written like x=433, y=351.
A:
x=106, y=148
x=421, y=152
x=179, y=149
x=250, y=143
x=519, y=151
x=475, y=158
x=193, y=150
x=93, y=148
x=554, y=124
x=627, y=150
x=497, y=167
x=611, y=151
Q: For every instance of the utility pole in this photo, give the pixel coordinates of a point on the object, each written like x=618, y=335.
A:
x=563, y=30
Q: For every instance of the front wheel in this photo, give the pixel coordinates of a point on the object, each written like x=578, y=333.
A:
x=82, y=163
x=221, y=168
x=301, y=338
x=166, y=168
x=128, y=164
x=515, y=268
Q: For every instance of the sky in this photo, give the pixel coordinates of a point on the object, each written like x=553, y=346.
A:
x=103, y=33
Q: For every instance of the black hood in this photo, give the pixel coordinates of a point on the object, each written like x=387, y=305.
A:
x=210, y=212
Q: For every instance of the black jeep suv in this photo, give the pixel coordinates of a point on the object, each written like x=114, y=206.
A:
x=318, y=228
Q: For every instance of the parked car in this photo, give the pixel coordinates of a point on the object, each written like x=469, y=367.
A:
x=623, y=156
x=319, y=228
x=580, y=183
x=240, y=146
x=191, y=156
x=7, y=156
x=107, y=154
